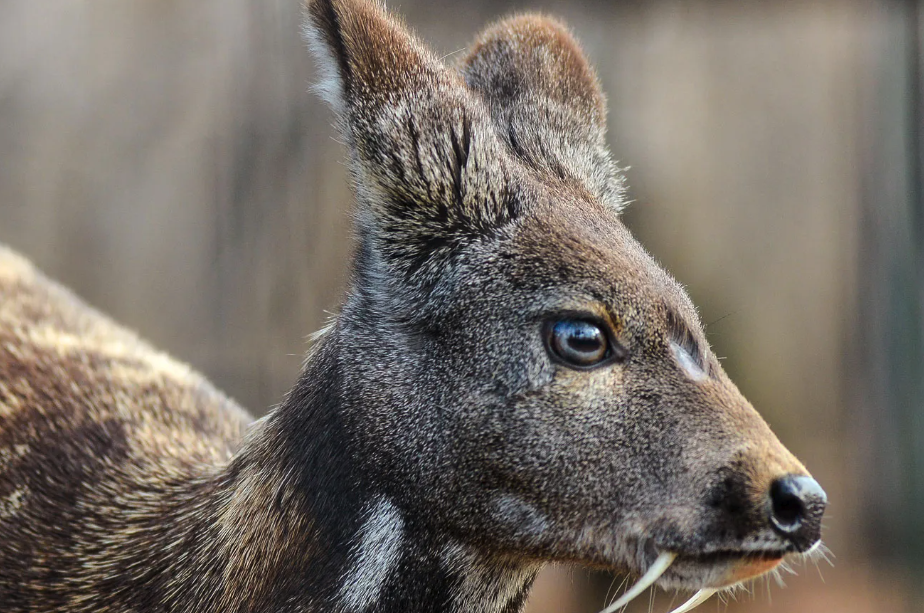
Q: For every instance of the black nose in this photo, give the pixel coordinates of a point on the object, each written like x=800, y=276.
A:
x=797, y=504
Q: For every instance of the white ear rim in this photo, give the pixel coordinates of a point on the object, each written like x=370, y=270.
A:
x=330, y=86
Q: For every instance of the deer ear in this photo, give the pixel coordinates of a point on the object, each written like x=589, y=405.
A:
x=430, y=172
x=362, y=51
x=545, y=101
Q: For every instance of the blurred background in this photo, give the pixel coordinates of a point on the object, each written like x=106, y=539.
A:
x=166, y=159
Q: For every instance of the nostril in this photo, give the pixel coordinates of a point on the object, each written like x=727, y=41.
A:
x=794, y=499
x=788, y=510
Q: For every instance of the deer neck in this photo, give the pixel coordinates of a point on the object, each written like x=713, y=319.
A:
x=394, y=568
x=302, y=520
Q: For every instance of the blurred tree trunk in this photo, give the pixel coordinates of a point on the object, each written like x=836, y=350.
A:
x=891, y=349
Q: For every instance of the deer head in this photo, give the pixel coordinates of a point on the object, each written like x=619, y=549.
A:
x=522, y=381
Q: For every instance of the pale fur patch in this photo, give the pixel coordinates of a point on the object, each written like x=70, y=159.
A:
x=688, y=363
x=484, y=587
x=10, y=505
x=375, y=554
x=513, y=511
x=11, y=454
x=330, y=85
x=11, y=403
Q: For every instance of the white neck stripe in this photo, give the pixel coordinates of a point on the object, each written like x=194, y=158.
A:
x=375, y=554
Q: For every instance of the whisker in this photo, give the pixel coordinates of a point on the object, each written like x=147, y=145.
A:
x=769, y=589
x=453, y=53
x=731, y=593
x=778, y=577
x=622, y=584
x=814, y=560
x=712, y=323
x=818, y=552
x=658, y=568
x=698, y=598
x=825, y=554
x=670, y=605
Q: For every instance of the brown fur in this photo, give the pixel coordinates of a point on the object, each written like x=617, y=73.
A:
x=91, y=415
x=435, y=450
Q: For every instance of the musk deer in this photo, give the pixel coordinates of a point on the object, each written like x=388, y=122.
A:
x=511, y=380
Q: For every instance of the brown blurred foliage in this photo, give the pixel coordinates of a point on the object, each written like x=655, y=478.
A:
x=166, y=159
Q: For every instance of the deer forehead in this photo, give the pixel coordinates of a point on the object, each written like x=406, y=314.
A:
x=586, y=252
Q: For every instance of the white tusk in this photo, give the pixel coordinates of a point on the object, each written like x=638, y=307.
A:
x=698, y=598
x=657, y=569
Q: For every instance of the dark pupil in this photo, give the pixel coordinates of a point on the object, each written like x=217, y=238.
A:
x=579, y=341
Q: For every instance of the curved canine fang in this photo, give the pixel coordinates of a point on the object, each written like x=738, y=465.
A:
x=698, y=598
x=661, y=564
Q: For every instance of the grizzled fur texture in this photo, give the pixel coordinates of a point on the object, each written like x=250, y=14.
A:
x=434, y=453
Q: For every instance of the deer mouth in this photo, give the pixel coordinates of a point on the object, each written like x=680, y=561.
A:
x=726, y=568
x=720, y=569
x=706, y=572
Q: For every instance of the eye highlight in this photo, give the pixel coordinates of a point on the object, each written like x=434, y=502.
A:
x=580, y=343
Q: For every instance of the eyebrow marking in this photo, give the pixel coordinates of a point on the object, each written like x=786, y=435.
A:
x=689, y=364
x=686, y=348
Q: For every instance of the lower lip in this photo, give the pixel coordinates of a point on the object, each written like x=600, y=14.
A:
x=748, y=569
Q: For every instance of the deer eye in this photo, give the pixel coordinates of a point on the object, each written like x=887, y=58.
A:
x=579, y=343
